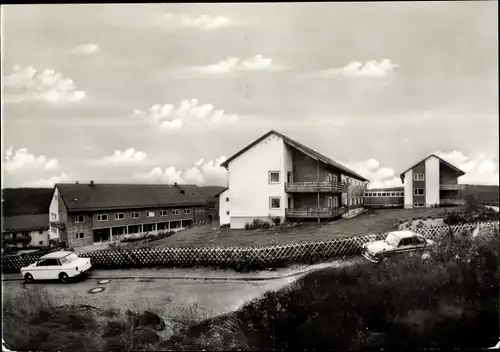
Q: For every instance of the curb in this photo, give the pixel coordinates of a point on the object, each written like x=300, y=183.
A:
x=217, y=278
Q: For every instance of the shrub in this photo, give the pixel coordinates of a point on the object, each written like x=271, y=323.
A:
x=276, y=220
x=226, y=226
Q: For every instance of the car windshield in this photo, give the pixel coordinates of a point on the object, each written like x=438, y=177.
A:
x=69, y=258
x=392, y=239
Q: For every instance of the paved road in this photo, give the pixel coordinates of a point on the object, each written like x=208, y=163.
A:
x=206, y=293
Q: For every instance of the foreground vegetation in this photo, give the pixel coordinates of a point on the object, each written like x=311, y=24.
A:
x=447, y=300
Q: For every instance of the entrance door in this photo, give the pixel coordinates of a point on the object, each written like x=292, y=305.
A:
x=329, y=202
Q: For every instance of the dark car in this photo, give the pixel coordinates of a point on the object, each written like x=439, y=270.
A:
x=397, y=242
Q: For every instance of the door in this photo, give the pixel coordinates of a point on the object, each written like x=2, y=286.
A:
x=329, y=178
x=47, y=269
x=329, y=202
x=289, y=177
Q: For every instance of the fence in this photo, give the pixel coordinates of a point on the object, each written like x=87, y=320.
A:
x=232, y=256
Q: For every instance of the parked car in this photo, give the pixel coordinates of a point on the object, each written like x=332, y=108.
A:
x=396, y=242
x=61, y=265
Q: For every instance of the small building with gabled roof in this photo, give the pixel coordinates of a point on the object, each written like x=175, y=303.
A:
x=278, y=177
x=432, y=182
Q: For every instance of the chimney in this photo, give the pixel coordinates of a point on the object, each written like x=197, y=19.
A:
x=91, y=183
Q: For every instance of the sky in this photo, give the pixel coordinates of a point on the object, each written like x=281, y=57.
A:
x=163, y=93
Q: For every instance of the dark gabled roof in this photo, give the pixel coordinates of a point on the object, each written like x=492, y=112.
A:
x=101, y=196
x=221, y=191
x=302, y=148
x=24, y=201
x=211, y=192
x=31, y=222
x=454, y=168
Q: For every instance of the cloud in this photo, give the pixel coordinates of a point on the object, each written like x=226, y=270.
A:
x=87, y=49
x=168, y=117
x=21, y=159
x=28, y=84
x=129, y=156
x=370, y=68
x=232, y=64
x=479, y=170
x=201, y=173
x=378, y=176
x=204, y=21
x=48, y=182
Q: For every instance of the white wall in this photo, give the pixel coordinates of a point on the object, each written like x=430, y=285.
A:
x=431, y=181
x=408, y=188
x=54, y=209
x=287, y=167
x=249, y=186
x=224, y=207
x=37, y=237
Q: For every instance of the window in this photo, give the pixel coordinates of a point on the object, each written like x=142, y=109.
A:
x=274, y=177
x=187, y=211
x=418, y=191
x=79, y=218
x=48, y=262
x=150, y=214
x=40, y=242
x=80, y=235
x=53, y=216
x=418, y=205
x=133, y=229
x=176, y=212
x=119, y=216
x=419, y=177
x=149, y=227
x=163, y=213
x=135, y=215
x=227, y=199
x=329, y=202
x=102, y=217
x=227, y=213
x=274, y=202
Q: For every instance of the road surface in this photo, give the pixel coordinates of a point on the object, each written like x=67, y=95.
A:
x=169, y=292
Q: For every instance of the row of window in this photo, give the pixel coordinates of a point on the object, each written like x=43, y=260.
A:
x=274, y=177
x=134, y=215
x=384, y=194
x=418, y=177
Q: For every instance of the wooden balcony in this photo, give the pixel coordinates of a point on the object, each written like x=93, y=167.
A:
x=314, y=213
x=451, y=187
x=314, y=187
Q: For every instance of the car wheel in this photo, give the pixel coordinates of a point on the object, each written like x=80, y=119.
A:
x=63, y=277
x=28, y=277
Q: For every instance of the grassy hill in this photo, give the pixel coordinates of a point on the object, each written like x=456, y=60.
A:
x=23, y=201
x=484, y=193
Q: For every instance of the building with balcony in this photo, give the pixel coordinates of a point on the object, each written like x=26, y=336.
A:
x=276, y=176
x=29, y=230
x=87, y=214
x=432, y=182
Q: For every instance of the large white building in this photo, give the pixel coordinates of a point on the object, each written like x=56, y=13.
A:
x=276, y=176
x=432, y=182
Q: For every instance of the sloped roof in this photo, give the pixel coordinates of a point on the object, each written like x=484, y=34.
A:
x=302, y=148
x=30, y=222
x=444, y=162
x=211, y=192
x=101, y=196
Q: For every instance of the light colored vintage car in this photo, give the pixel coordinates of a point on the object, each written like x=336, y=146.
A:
x=396, y=242
x=61, y=265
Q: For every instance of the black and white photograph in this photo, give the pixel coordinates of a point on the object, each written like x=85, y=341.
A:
x=250, y=176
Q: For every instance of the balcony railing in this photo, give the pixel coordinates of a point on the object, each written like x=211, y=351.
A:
x=451, y=187
x=304, y=187
x=322, y=213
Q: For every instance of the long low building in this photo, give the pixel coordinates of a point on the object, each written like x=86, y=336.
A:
x=86, y=214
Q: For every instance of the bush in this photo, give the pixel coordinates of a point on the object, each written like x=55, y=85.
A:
x=257, y=224
x=225, y=226
x=400, y=303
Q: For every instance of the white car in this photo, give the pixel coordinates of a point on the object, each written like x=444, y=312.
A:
x=396, y=242
x=61, y=265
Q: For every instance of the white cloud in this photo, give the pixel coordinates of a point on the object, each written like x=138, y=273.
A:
x=204, y=21
x=479, y=170
x=87, y=49
x=201, y=173
x=21, y=159
x=378, y=176
x=232, y=64
x=48, y=182
x=372, y=68
x=129, y=156
x=168, y=117
x=28, y=84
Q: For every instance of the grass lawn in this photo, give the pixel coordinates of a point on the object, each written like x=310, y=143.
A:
x=372, y=221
